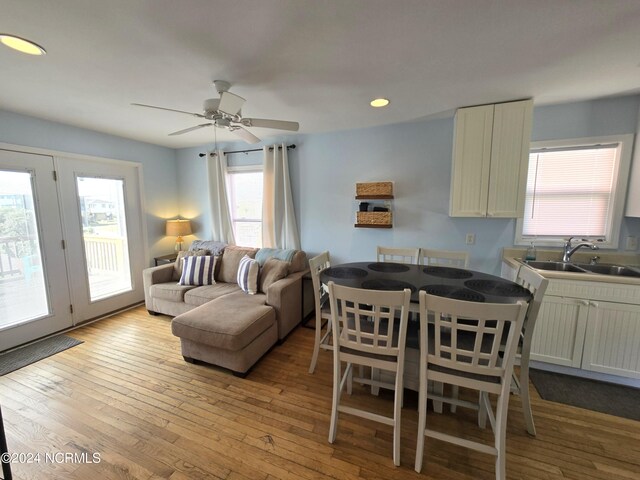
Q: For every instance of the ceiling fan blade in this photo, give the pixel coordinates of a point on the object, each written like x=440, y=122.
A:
x=168, y=109
x=266, y=123
x=191, y=129
x=230, y=103
x=244, y=134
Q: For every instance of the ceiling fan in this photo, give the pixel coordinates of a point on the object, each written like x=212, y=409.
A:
x=224, y=112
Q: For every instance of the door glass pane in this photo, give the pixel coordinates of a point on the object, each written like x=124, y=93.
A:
x=23, y=295
x=104, y=229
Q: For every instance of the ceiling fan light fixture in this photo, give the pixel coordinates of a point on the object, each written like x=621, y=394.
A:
x=21, y=44
x=379, y=102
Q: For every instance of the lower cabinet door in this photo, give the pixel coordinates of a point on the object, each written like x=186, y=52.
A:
x=612, y=341
x=559, y=333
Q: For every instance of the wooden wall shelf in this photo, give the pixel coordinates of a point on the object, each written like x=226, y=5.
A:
x=378, y=193
x=372, y=225
x=374, y=197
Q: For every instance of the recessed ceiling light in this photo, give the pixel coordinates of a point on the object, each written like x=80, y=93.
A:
x=379, y=102
x=21, y=44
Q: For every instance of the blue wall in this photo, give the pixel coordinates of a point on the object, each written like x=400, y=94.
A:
x=159, y=164
x=417, y=158
x=324, y=170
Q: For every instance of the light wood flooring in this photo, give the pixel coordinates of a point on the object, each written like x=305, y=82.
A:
x=127, y=395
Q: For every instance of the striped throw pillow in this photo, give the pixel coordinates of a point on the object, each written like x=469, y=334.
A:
x=198, y=270
x=248, y=275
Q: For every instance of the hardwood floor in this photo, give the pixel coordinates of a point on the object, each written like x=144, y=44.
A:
x=127, y=395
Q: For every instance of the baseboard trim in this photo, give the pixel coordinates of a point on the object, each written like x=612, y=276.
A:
x=578, y=372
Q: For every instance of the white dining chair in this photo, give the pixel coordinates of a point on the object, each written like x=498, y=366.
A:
x=393, y=255
x=398, y=255
x=444, y=258
x=462, y=347
x=537, y=285
x=369, y=329
x=448, y=258
x=322, y=340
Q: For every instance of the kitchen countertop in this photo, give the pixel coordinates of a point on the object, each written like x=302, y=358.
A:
x=513, y=257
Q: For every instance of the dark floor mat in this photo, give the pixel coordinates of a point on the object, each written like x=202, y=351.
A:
x=23, y=356
x=618, y=400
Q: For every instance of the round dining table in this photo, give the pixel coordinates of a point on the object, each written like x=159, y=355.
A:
x=443, y=281
x=457, y=283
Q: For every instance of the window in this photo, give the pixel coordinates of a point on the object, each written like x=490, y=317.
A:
x=244, y=187
x=575, y=188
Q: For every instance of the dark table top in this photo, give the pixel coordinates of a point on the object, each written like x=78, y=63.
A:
x=458, y=283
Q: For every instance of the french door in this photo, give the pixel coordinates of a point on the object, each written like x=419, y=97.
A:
x=103, y=231
x=34, y=290
x=70, y=243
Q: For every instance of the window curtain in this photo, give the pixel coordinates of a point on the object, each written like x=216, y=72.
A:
x=222, y=229
x=279, y=228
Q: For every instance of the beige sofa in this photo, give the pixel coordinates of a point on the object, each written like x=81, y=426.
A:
x=220, y=324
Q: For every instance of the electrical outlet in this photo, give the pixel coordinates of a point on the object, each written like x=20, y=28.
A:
x=470, y=239
x=632, y=243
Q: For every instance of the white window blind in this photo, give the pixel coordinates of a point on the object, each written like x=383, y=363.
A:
x=244, y=188
x=570, y=191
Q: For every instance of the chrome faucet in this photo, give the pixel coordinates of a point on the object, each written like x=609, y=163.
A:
x=570, y=250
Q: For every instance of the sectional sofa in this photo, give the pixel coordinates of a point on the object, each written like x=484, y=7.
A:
x=220, y=323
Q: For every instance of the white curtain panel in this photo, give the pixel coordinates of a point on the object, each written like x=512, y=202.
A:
x=279, y=228
x=221, y=226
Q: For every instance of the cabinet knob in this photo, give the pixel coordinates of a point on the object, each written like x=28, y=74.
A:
x=594, y=304
x=584, y=302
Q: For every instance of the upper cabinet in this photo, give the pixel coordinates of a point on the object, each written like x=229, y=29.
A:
x=633, y=194
x=490, y=160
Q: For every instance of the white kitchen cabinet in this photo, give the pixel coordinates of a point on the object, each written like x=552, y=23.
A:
x=560, y=329
x=612, y=341
x=633, y=193
x=590, y=325
x=490, y=160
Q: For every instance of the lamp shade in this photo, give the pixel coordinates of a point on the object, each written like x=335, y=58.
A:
x=178, y=228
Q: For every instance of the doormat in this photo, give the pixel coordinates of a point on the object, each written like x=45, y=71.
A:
x=23, y=356
x=610, y=398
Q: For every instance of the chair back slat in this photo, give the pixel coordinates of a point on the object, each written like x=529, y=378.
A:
x=317, y=265
x=398, y=255
x=448, y=258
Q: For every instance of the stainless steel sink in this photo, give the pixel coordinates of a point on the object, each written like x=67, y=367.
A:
x=605, y=269
x=555, y=266
x=602, y=269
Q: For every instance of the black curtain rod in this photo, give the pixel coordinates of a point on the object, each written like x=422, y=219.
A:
x=289, y=147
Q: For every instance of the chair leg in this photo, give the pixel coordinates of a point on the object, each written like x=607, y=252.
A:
x=333, y=428
x=375, y=375
x=483, y=404
x=316, y=346
x=4, y=450
x=350, y=380
x=397, y=412
x=438, y=389
x=422, y=421
x=501, y=435
x=526, y=399
x=455, y=391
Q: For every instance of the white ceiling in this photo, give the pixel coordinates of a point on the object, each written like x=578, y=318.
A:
x=318, y=62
